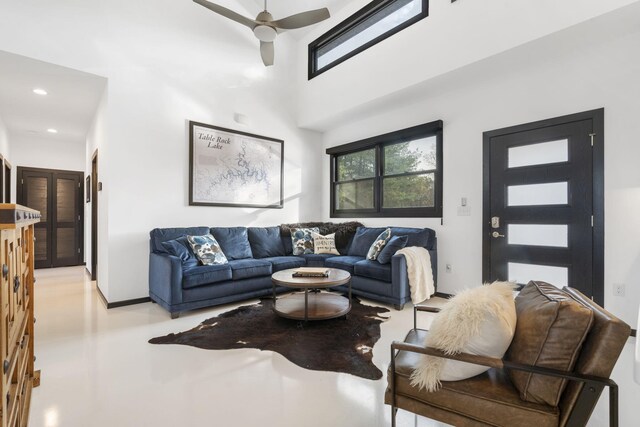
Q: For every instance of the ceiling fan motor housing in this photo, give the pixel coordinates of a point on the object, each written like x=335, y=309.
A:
x=265, y=32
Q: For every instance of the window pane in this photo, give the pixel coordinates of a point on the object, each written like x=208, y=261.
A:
x=357, y=165
x=539, y=235
x=556, y=193
x=523, y=273
x=384, y=20
x=413, y=191
x=354, y=195
x=539, y=154
x=412, y=156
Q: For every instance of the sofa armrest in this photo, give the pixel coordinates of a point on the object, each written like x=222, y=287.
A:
x=399, y=277
x=165, y=277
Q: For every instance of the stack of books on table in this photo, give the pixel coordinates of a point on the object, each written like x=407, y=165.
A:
x=311, y=272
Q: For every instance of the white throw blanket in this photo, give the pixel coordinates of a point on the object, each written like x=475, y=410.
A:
x=419, y=271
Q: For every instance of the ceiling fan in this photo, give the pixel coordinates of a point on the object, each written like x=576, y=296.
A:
x=265, y=28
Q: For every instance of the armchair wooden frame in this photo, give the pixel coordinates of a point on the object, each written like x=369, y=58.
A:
x=581, y=411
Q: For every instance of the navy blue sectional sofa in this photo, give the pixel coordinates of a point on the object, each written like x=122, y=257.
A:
x=178, y=283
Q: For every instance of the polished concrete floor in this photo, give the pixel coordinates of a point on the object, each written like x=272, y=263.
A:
x=99, y=370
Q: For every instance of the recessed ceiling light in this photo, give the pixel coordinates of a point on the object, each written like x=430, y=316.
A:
x=39, y=91
x=52, y=130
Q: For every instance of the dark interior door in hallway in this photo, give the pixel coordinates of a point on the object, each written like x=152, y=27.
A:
x=58, y=196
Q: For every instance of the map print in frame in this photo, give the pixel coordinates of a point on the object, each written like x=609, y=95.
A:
x=232, y=168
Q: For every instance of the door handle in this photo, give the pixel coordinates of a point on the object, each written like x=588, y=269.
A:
x=495, y=235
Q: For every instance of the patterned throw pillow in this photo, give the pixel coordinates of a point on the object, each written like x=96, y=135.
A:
x=378, y=244
x=302, y=240
x=207, y=249
x=324, y=244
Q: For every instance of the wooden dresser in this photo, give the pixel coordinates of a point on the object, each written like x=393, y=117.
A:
x=16, y=313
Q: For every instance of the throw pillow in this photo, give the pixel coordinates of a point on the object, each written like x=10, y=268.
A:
x=302, y=240
x=181, y=248
x=207, y=249
x=551, y=329
x=478, y=321
x=362, y=240
x=393, y=245
x=265, y=242
x=324, y=244
x=234, y=241
x=378, y=245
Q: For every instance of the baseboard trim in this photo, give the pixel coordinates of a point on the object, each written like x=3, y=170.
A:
x=125, y=303
x=121, y=303
x=102, y=297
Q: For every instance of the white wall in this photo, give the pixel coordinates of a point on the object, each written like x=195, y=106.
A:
x=563, y=74
x=166, y=62
x=589, y=66
x=97, y=142
x=42, y=152
x=452, y=36
x=4, y=139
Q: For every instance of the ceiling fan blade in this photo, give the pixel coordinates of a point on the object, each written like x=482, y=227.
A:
x=302, y=19
x=266, y=50
x=227, y=13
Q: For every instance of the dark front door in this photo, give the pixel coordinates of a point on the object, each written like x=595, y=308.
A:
x=58, y=196
x=543, y=204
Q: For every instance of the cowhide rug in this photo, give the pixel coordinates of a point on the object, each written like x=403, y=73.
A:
x=337, y=345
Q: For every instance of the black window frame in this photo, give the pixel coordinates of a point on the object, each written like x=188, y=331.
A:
x=378, y=143
x=346, y=25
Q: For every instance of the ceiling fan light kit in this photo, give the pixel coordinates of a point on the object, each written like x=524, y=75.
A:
x=265, y=33
x=265, y=28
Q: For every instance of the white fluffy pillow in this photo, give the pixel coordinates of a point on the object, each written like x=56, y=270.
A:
x=476, y=321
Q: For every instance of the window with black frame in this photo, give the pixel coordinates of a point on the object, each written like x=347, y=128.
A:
x=398, y=174
x=368, y=26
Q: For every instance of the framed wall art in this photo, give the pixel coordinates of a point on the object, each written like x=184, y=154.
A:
x=232, y=168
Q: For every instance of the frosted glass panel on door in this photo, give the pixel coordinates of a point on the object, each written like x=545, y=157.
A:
x=539, y=154
x=523, y=273
x=555, y=193
x=538, y=235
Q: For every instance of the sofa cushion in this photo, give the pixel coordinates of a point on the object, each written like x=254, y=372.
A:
x=550, y=331
x=234, y=241
x=424, y=237
x=265, y=242
x=393, y=245
x=363, y=240
x=378, y=244
x=180, y=248
x=373, y=270
x=302, y=240
x=202, y=275
x=346, y=263
x=159, y=235
x=324, y=244
x=248, y=268
x=285, y=262
x=316, y=260
x=207, y=249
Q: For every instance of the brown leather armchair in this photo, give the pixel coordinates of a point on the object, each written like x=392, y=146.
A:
x=491, y=399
